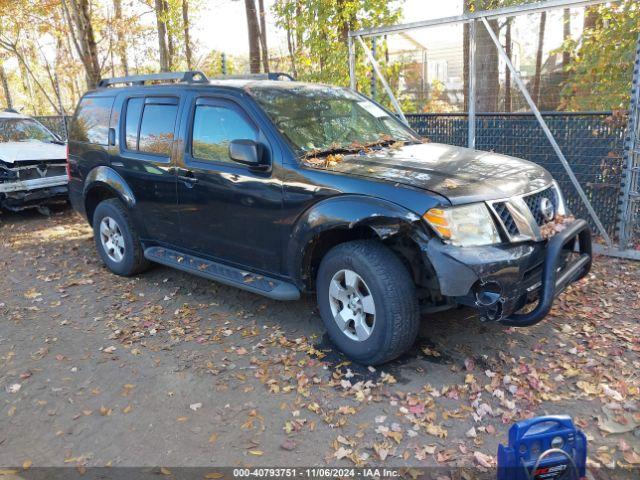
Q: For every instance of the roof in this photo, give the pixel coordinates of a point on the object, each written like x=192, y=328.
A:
x=4, y=114
x=233, y=84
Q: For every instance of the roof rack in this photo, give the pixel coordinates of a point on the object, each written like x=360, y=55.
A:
x=258, y=76
x=10, y=110
x=194, y=76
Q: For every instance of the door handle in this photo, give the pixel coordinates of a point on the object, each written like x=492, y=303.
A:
x=186, y=176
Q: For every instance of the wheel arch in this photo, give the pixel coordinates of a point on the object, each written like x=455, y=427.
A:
x=338, y=220
x=103, y=183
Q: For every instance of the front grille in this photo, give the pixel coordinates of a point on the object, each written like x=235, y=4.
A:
x=506, y=218
x=33, y=170
x=533, y=202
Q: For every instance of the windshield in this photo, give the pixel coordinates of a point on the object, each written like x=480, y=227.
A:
x=23, y=130
x=321, y=119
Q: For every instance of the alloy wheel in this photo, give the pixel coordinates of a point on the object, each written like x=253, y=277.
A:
x=352, y=305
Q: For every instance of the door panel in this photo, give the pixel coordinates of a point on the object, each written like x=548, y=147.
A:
x=147, y=132
x=227, y=210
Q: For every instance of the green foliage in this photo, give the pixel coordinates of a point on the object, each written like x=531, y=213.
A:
x=600, y=74
x=317, y=32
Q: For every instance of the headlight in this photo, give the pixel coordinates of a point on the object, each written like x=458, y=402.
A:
x=464, y=226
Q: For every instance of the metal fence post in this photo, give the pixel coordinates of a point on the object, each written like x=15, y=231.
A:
x=386, y=86
x=374, y=51
x=352, y=63
x=629, y=193
x=472, y=86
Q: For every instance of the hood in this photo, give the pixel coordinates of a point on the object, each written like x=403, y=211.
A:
x=12, y=152
x=460, y=174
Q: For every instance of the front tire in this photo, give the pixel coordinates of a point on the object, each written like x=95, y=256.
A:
x=117, y=240
x=367, y=301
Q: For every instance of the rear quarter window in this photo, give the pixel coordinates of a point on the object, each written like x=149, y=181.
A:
x=91, y=121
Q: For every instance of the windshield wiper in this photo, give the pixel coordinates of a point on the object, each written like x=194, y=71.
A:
x=57, y=142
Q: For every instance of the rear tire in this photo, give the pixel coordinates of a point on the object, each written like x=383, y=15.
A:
x=367, y=301
x=117, y=240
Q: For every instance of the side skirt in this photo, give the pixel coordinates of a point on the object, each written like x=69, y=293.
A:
x=235, y=277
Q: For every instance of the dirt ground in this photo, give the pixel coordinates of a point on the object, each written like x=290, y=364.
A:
x=166, y=369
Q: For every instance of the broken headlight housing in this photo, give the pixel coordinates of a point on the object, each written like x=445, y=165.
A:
x=464, y=226
x=7, y=173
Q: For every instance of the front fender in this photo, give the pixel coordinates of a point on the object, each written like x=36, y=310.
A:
x=345, y=212
x=107, y=177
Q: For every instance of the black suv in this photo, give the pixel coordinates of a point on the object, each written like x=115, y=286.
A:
x=282, y=187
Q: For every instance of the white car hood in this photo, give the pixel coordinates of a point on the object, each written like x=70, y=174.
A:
x=12, y=152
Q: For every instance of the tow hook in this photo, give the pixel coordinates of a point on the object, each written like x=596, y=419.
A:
x=489, y=300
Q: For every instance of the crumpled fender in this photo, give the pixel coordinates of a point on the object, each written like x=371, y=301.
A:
x=107, y=177
x=345, y=212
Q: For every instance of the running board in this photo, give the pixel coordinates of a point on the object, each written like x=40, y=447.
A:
x=235, y=277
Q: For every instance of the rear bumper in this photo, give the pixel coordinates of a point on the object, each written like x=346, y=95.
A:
x=500, y=280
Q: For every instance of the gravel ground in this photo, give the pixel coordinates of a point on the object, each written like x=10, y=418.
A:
x=166, y=369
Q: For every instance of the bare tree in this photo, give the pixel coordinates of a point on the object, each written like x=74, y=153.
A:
x=161, y=25
x=120, y=36
x=487, y=74
x=263, y=37
x=171, y=49
x=507, y=71
x=254, y=36
x=5, y=85
x=78, y=13
x=566, y=35
x=538, y=73
x=187, y=37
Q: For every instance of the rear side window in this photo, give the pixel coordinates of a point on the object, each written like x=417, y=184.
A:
x=91, y=123
x=132, y=122
x=214, y=127
x=149, y=125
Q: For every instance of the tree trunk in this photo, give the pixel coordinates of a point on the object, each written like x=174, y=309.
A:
x=535, y=93
x=263, y=37
x=5, y=86
x=84, y=38
x=591, y=18
x=162, y=35
x=487, y=74
x=566, y=35
x=292, y=50
x=187, y=36
x=120, y=36
x=254, y=36
x=171, y=49
x=466, y=8
x=507, y=72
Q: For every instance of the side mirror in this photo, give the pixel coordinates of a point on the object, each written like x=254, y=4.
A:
x=248, y=153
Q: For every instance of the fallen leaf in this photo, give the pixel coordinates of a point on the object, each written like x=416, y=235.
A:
x=483, y=460
x=631, y=457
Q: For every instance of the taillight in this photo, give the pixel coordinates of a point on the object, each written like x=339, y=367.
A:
x=68, y=167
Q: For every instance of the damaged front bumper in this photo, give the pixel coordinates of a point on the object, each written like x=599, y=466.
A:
x=32, y=185
x=499, y=280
